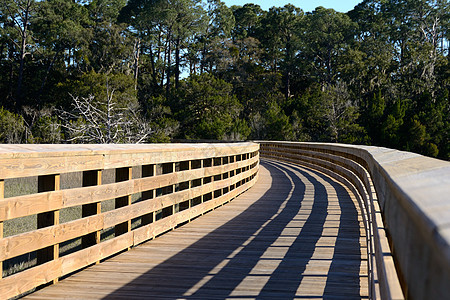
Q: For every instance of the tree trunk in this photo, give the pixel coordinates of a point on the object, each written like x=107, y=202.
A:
x=163, y=69
x=23, y=52
x=329, y=66
x=11, y=77
x=152, y=62
x=169, y=62
x=288, y=85
x=2, y=49
x=137, y=49
x=203, y=61
x=177, y=63
x=288, y=59
x=21, y=69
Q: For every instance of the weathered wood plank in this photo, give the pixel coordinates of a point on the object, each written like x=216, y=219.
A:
x=20, y=244
x=2, y=194
x=228, y=162
x=47, y=219
x=54, y=269
x=13, y=246
x=91, y=178
x=352, y=164
x=21, y=206
x=29, y=279
x=88, y=256
x=296, y=233
x=145, y=233
x=123, y=174
x=36, y=160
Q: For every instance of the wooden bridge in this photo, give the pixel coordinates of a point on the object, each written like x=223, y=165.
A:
x=214, y=222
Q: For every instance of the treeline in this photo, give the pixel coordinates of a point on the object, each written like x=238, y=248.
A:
x=154, y=70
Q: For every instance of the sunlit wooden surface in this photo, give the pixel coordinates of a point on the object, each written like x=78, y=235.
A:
x=295, y=234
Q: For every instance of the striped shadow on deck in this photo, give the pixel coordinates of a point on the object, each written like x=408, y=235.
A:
x=295, y=234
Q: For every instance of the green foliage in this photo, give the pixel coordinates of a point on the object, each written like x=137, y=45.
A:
x=200, y=70
x=277, y=126
x=416, y=134
x=46, y=130
x=210, y=109
x=248, y=19
x=60, y=25
x=99, y=85
x=311, y=111
x=373, y=116
x=341, y=115
x=162, y=121
x=390, y=129
x=329, y=34
x=104, y=109
x=12, y=128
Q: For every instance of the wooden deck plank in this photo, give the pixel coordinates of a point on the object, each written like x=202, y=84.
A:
x=296, y=233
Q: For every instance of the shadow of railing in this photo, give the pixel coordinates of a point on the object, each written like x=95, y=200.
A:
x=240, y=244
x=344, y=272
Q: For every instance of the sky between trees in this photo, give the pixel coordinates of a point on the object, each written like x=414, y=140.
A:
x=306, y=5
x=111, y=71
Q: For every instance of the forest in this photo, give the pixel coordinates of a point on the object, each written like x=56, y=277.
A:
x=146, y=71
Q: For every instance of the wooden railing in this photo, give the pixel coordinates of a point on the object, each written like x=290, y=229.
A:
x=174, y=184
x=405, y=203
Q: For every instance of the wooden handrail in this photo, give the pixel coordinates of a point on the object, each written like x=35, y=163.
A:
x=182, y=180
x=408, y=243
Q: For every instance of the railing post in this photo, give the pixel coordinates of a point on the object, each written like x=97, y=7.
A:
x=173, y=191
x=123, y=174
x=147, y=171
x=201, y=183
x=2, y=195
x=232, y=159
x=91, y=178
x=189, y=187
x=84, y=223
x=48, y=183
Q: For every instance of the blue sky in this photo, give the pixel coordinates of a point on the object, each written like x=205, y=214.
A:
x=306, y=5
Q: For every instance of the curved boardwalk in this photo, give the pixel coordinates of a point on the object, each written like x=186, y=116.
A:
x=295, y=234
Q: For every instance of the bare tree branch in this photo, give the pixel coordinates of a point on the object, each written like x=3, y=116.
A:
x=96, y=121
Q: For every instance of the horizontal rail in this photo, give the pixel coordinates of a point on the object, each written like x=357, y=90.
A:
x=177, y=183
x=408, y=243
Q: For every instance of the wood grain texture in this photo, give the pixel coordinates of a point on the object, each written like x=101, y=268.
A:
x=91, y=178
x=54, y=269
x=29, y=279
x=21, y=206
x=50, y=199
x=31, y=241
x=2, y=194
x=48, y=219
x=347, y=166
x=295, y=234
x=20, y=244
x=35, y=160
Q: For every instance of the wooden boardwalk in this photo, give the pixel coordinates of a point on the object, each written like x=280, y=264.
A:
x=295, y=234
